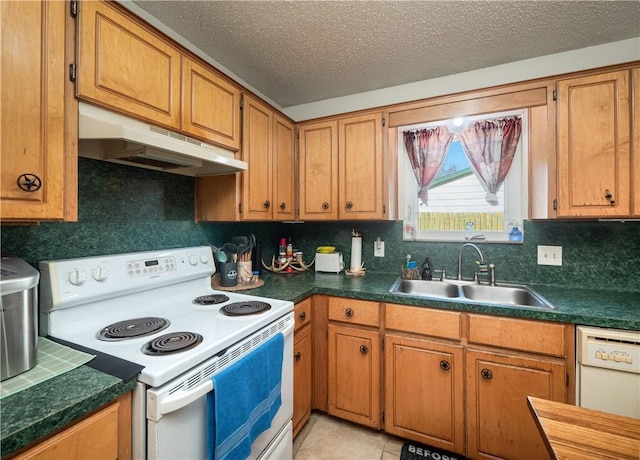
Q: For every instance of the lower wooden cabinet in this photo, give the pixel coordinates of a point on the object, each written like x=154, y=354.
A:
x=424, y=391
x=104, y=435
x=302, y=365
x=499, y=422
x=354, y=374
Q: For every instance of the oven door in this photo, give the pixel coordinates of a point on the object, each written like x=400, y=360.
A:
x=177, y=411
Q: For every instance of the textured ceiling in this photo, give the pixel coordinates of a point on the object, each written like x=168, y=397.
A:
x=296, y=52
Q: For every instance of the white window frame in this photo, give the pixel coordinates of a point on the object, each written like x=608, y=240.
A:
x=515, y=189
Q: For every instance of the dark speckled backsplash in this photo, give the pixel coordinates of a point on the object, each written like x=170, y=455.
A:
x=125, y=209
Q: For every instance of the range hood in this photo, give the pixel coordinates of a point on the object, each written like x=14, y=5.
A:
x=110, y=136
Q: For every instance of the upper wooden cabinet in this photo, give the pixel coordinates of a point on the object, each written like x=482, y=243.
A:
x=341, y=169
x=38, y=164
x=210, y=105
x=126, y=66
x=635, y=148
x=318, y=171
x=266, y=191
x=594, y=162
x=360, y=179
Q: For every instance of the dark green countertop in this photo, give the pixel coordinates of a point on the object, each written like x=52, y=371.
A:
x=612, y=309
x=33, y=413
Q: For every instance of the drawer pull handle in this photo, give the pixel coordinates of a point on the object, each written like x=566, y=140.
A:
x=364, y=349
x=444, y=365
x=283, y=206
x=303, y=315
x=267, y=204
x=486, y=374
x=348, y=312
x=349, y=204
x=325, y=205
x=298, y=356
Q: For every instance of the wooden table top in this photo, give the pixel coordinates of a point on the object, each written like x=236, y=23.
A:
x=578, y=433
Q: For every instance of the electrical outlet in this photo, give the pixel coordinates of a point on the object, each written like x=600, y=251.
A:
x=550, y=255
x=378, y=249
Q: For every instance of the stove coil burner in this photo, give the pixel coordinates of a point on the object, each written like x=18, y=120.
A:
x=250, y=307
x=211, y=299
x=132, y=328
x=173, y=342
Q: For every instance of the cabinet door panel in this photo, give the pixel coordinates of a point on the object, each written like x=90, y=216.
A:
x=500, y=424
x=33, y=128
x=354, y=374
x=318, y=160
x=360, y=153
x=424, y=392
x=256, y=151
x=593, y=145
x=284, y=169
x=635, y=148
x=115, y=55
x=210, y=106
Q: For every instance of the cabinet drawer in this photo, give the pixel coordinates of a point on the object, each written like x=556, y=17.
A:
x=354, y=311
x=517, y=334
x=302, y=312
x=425, y=321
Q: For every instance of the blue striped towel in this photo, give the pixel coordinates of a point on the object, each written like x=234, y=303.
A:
x=245, y=398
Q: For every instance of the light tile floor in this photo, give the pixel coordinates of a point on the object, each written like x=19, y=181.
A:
x=328, y=438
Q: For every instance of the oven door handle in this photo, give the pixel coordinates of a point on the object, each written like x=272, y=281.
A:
x=181, y=399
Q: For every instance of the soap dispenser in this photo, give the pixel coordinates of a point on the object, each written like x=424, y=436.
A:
x=515, y=234
x=427, y=272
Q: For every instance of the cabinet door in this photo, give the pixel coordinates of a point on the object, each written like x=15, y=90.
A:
x=115, y=58
x=38, y=119
x=593, y=146
x=257, y=200
x=499, y=422
x=360, y=160
x=284, y=169
x=354, y=374
x=424, y=392
x=302, y=366
x=318, y=169
x=210, y=105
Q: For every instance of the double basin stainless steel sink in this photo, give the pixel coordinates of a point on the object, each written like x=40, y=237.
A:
x=508, y=295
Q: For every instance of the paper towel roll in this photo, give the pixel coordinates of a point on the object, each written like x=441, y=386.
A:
x=356, y=253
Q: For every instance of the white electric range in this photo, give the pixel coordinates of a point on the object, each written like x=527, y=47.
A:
x=158, y=309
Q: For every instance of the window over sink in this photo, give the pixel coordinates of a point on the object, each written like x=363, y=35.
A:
x=464, y=179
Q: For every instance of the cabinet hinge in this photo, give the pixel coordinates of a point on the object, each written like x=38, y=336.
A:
x=384, y=209
x=72, y=72
x=555, y=204
x=240, y=208
x=566, y=378
x=241, y=101
x=383, y=417
x=555, y=95
x=73, y=8
x=384, y=121
x=383, y=344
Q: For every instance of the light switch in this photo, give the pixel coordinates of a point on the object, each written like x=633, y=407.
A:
x=550, y=255
x=378, y=249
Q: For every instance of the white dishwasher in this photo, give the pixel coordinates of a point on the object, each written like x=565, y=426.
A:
x=608, y=370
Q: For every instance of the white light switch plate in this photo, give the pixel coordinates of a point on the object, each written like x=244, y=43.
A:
x=550, y=255
x=378, y=249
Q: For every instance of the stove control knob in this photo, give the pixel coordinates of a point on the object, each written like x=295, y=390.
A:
x=193, y=260
x=204, y=259
x=100, y=274
x=77, y=277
